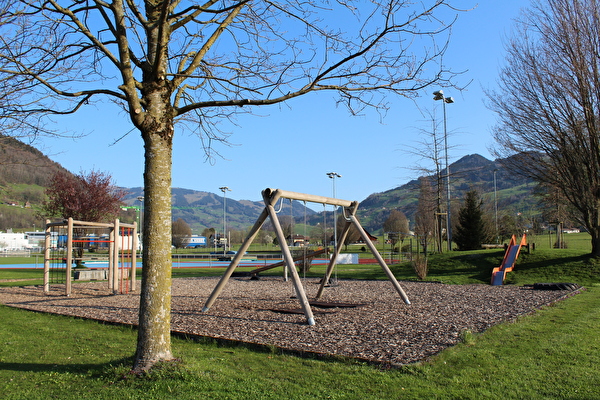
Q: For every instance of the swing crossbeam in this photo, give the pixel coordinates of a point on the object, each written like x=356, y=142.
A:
x=270, y=198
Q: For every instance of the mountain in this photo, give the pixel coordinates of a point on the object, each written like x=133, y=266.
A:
x=23, y=164
x=514, y=193
x=25, y=172
x=205, y=210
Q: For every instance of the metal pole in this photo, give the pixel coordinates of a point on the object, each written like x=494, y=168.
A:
x=496, y=207
x=438, y=187
x=224, y=189
x=439, y=95
x=448, y=211
x=334, y=175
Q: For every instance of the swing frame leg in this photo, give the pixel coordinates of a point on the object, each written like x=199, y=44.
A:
x=236, y=260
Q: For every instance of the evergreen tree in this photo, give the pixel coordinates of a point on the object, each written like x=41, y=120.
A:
x=470, y=232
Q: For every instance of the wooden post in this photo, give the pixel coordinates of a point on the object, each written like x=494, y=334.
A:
x=381, y=261
x=115, y=256
x=47, y=247
x=111, y=247
x=289, y=260
x=134, y=246
x=69, y=256
x=236, y=260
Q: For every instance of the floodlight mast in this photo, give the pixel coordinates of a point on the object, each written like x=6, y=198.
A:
x=439, y=95
x=224, y=189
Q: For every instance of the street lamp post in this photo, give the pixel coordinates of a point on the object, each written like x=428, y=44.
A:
x=438, y=187
x=334, y=175
x=141, y=228
x=496, y=207
x=224, y=189
x=439, y=95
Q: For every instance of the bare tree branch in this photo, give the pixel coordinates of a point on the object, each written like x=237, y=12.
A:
x=549, y=104
x=199, y=65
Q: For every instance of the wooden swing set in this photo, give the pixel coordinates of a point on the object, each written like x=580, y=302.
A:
x=271, y=197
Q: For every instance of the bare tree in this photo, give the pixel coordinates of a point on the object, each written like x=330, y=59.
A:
x=425, y=217
x=396, y=225
x=167, y=62
x=549, y=103
x=426, y=224
x=556, y=211
x=430, y=150
x=181, y=233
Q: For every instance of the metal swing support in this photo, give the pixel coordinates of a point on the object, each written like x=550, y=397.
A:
x=270, y=197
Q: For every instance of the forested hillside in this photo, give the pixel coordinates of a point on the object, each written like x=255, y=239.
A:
x=24, y=174
x=514, y=193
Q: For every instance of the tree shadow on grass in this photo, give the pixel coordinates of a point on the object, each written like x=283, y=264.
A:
x=476, y=266
x=94, y=370
x=553, y=265
x=556, y=262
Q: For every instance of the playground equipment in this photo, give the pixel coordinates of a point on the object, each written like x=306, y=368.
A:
x=270, y=197
x=508, y=263
x=120, y=240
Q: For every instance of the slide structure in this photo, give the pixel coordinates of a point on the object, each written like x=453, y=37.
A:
x=508, y=263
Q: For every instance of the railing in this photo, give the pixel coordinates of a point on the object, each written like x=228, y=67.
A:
x=15, y=253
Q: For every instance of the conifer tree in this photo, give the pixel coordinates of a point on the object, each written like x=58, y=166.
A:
x=471, y=232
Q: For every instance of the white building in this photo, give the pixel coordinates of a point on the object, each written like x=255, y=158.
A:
x=10, y=241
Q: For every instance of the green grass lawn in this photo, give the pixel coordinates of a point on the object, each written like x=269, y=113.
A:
x=551, y=354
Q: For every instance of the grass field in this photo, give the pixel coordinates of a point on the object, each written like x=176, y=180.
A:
x=551, y=354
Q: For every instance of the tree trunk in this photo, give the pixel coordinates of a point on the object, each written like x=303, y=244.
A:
x=595, y=241
x=154, y=340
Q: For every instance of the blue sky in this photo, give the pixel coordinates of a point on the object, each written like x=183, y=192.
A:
x=293, y=146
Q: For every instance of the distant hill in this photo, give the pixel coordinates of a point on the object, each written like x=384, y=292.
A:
x=205, y=210
x=473, y=171
x=24, y=174
x=23, y=164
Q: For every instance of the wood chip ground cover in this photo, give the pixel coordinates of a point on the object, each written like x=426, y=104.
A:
x=380, y=329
